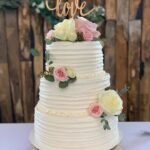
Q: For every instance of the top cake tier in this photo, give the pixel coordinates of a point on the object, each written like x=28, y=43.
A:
x=84, y=57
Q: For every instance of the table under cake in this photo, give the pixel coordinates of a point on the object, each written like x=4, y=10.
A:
x=115, y=148
x=136, y=136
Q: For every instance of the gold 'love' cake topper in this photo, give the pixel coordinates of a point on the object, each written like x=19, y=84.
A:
x=69, y=8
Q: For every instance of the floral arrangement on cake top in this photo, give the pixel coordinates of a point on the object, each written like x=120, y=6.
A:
x=79, y=29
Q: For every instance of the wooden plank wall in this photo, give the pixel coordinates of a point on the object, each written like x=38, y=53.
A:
x=127, y=57
x=127, y=51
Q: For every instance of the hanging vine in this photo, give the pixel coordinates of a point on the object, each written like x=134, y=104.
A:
x=9, y=4
x=39, y=7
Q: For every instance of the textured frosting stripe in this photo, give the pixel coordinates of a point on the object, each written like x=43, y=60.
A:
x=87, y=86
x=77, y=97
x=85, y=57
x=74, y=133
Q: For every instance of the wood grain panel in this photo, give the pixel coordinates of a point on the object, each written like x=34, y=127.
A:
x=14, y=63
x=134, y=8
x=134, y=68
x=121, y=61
x=27, y=84
x=24, y=30
x=109, y=53
x=123, y=14
x=145, y=79
x=111, y=11
x=5, y=96
x=122, y=46
x=6, y=113
x=38, y=44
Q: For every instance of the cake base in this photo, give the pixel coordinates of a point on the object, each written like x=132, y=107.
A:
x=34, y=145
x=115, y=148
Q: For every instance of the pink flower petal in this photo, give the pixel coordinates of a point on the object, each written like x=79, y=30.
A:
x=95, y=110
x=60, y=74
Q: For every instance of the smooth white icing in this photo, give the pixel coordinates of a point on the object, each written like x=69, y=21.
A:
x=62, y=121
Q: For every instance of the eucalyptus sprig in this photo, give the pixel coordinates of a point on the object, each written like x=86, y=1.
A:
x=124, y=90
x=35, y=52
x=122, y=117
x=105, y=122
x=97, y=16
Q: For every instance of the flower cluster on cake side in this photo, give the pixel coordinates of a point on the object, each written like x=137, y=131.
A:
x=64, y=75
x=108, y=104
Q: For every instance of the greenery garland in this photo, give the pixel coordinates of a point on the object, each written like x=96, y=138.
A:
x=9, y=4
x=39, y=7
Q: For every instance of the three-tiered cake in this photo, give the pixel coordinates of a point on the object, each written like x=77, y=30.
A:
x=74, y=111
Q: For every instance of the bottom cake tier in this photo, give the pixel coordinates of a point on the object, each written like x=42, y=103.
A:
x=73, y=133
x=118, y=147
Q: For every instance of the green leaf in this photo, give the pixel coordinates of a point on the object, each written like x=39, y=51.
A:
x=9, y=4
x=63, y=84
x=122, y=117
x=51, y=62
x=48, y=41
x=35, y=52
x=72, y=80
x=47, y=56
x=49, y=78
x=103, y=115
x=106, y=125
x=124, y=90
x=102, y=120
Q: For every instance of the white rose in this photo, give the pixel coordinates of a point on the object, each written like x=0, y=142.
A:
x=71, y=72
x=111, y=102
x=65, y=30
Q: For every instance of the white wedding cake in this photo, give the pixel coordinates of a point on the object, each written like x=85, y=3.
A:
x=75, y=111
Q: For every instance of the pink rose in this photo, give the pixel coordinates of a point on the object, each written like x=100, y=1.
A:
x=87, y=35
x=50, y=34
x=60, y=74
x=83, y=25
x=95, y=110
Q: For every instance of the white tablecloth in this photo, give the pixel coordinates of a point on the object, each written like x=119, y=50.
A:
x=135, y=136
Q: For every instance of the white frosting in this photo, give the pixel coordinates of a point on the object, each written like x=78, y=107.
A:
x=72, y=133
x=84, y=57
x=62, y=121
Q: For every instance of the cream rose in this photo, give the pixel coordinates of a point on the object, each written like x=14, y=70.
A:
x=111, y=102
x=65, y=30
x=71, y=72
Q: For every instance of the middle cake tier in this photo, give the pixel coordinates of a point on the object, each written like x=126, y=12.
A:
x=77, y=97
